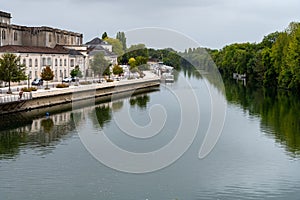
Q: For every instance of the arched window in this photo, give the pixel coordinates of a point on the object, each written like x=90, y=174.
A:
x=65, y=62
x=36, y=62
x=44, y=62
x=3, y=34
x=72, y=62
x=30, y=62
x=55, y=62
x=60, y=62
x=15, y=36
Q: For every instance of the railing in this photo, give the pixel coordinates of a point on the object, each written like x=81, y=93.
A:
x=8, y=98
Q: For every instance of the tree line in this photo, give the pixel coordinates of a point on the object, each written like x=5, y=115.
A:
x=273, y=63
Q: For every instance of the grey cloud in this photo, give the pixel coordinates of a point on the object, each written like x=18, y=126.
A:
x=214, y=23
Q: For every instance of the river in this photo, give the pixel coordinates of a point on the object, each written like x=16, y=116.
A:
x=256, y=157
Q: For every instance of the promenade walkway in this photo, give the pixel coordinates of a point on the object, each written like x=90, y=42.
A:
x=41, y=92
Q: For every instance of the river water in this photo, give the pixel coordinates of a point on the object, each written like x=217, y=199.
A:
x=256, y=156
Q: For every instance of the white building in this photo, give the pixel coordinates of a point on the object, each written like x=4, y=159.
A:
x=60, y=59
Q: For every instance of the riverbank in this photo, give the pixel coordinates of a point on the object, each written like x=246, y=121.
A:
x=56, y=96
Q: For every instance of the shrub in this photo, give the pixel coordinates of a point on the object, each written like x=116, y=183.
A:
x=33, y=89
x=62, y=85
x=85, y=83
x=30, y=89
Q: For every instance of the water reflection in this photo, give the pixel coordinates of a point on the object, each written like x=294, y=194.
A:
x=25, y=130
x=141, y=101
x=103, y=113
x=278, y=111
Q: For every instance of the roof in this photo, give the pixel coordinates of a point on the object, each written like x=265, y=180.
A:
x=96, y=41
x=32, y=49
x=74, y=52
x=97, y=49
x=5, y=14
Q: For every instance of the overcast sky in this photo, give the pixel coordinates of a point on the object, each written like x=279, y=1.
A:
x=212, y=23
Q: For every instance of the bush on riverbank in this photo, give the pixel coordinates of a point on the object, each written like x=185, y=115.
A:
x=30, y=89
x=62, y=85
x=85, y=83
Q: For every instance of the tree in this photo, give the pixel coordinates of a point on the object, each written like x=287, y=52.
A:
x=104, y=36
x=11, y=70
x=293, y=60
x=117, y=70
x=117, y=47
x=76, y=72
x=132, y=63
x=121, y=37
x=47, y=75
x=99, y=64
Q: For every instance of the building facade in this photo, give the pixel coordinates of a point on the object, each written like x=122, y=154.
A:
x=11, y=34
x=43, y=46
x=60, y=59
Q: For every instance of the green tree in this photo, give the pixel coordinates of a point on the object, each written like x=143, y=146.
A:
x=118, y=70
x=278, y=55
x=99, y=64
x=47, y=75
x=104, y=36
x=293, y=60
x=117, y=47
x=11, y=70
x=122, y=38
x=140, y=60
x=76, y=72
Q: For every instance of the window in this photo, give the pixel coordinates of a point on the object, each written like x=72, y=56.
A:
x=44, y=62
x=24, y=61
x=35, y=73
x=60, y=72
x=30, y=74
x=15, y=36
x=3, y=34
x=72, y=62
x=50, y=37
x=72, y=40
x=49, y=63
x=65, y=62
x=36, y=62
x=65, y=72
x=57, y=39
x=60, y=62
x=30, y=62
x=55, y=62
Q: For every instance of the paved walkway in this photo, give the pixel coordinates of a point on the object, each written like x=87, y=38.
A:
x=41, y=92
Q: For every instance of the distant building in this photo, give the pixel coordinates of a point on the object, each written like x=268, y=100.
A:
x=97, y=45
x=11, y=34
